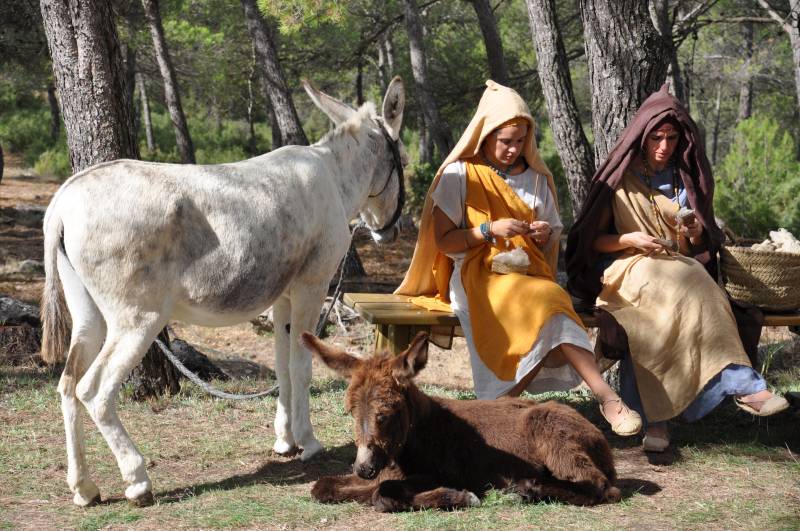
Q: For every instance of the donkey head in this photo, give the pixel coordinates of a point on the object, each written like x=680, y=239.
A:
x=386, y=156
x=378, y=398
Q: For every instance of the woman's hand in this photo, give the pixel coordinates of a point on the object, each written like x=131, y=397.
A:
x=540, y=232
x=640, y=240
x=508, y=227
x=693, y=231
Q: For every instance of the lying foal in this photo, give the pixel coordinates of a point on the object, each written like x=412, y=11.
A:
x=416, y=451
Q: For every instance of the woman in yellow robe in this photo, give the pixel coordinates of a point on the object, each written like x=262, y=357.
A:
x=681, y=350
x=493, y=193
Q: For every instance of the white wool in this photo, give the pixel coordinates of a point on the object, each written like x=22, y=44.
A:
x=517, y=259
x=781, y=241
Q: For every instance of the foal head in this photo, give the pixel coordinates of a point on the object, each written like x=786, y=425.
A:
x=377, y=398
x=380, y=155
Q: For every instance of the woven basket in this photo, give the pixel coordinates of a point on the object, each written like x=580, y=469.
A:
x=767, y=279
x=500, y=267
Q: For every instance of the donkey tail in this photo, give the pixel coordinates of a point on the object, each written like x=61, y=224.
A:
x=55, y=324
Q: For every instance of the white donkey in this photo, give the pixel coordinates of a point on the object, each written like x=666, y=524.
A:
x=130, y=245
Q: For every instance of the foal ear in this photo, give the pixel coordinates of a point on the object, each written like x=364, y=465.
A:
x=338, y=360
x=336, y=110
x=413, y=360
x=393, y=103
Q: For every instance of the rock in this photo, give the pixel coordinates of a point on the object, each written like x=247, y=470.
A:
x=30, y=216
x=14, y=312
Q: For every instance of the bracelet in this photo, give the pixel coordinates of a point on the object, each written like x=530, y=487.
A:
x=486, y=231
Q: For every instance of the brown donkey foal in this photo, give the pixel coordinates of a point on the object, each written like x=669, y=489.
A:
x=417, y=451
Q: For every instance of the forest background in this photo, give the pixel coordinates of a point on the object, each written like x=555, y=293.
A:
x=730, y=61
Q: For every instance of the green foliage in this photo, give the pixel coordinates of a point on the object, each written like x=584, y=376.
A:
x=758, y=182
x=293, y=15
x=26, y=131
x=420, y=177
x=54, y=163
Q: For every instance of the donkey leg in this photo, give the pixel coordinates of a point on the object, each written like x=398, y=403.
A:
x=88, y=332
x=571, y=464
x=550, y=490
x=338, y=489
x=124, y=348
x=411, y=493
x=306, y=304
x=281, y=317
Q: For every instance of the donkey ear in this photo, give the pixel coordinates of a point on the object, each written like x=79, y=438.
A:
x=413, y=360
x=393, y=103
x=338, y=360
x=336, y=110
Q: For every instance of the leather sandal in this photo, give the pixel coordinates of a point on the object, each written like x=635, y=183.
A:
x=630, y=423
x=653, y=443
x=771, y=406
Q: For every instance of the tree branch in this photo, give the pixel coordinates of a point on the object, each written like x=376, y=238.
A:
x=775, y=15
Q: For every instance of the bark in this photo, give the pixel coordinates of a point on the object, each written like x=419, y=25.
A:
x=553, y=68
x=251, y=79
x=55, y=114
x=88, y=69
x=275, y=127
x=425, y=144
x=1, y=163
x=146, y=121
x=715, y=132
x=152, y=13
x=360, y=81
x=438, y=131
x=89, y=76
x=277, y=91
x=746, y=85
x=491, y=40
x=383, y=73
x=626, y=64
x=791, y=25
x=659, y=14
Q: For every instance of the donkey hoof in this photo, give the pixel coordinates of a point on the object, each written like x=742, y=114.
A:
x=284, y=448
x=143, y=500
x=83, y=501
x=310, y=450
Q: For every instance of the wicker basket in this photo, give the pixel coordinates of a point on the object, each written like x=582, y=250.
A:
x=500, y=267
x=767, y=279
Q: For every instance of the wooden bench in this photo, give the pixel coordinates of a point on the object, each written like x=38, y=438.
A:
x=397, y=321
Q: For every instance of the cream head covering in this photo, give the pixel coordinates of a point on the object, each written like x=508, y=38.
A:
x=498, y=105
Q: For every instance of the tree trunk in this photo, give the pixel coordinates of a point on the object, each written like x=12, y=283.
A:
x=2, y=163
x=419, y=69
x=171, y=93
x=790, y=25
x=360, y=81
x=149, y=378
x=55, y=115
x=251, y=78
x=626, y=62
x=746, y=84
x=274, y=80
x=275, y=127
x=89, y=76
x=87, y=64
x=553, y=68
x=715, y=132
x=146, y=121
x=491, y=40
x=659, y=15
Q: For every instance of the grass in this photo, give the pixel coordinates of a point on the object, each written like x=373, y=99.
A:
x=212, y=468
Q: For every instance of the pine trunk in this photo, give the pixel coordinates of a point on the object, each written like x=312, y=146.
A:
x=419, y=69
x=627, y=63
x=274, y=81
x=553, y=68
x=89, y=75
x=746, y=83
x=491, y=40
x=171, y=93
x=55, y=114
x=146, y=121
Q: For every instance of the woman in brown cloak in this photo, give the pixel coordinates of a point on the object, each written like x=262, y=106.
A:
x=630, y=253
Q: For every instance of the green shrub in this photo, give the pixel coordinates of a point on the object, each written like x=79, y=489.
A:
x=758, y=182
x=420, y=177
x=54, y=163
x=27, y=132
